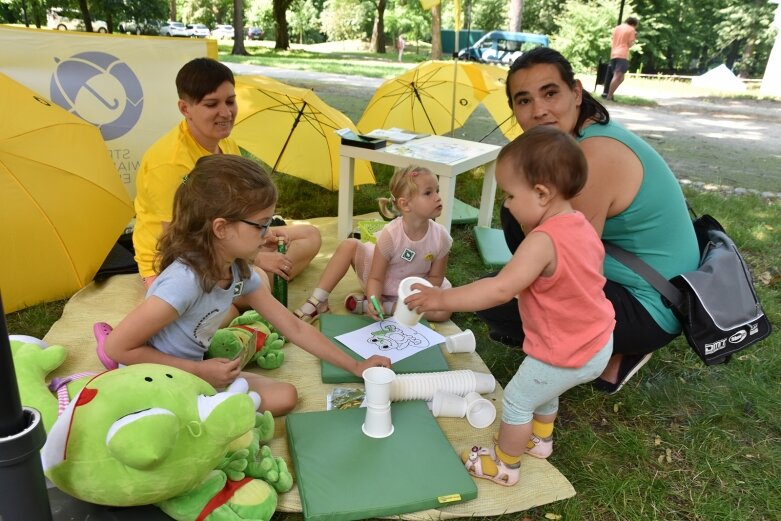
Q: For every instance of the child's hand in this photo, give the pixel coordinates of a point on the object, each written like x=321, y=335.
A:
x=220, y=372
x=425, y=299
x=372, y=361
x=274, y=262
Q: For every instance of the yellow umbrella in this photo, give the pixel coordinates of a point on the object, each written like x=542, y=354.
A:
x=423, y=98
x=496, y=102
x=62, y=203
x=293, y=131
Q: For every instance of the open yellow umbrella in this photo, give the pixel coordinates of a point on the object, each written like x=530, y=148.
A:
x=293, y=131
x=62, y=203
x=423, y=98
x=496, y=102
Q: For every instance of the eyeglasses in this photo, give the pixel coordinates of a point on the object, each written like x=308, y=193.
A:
x=262, y=227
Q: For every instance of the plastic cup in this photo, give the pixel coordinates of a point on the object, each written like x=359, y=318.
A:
x=404, y=315
x=378, y=422
x=448, y=405
x=480, y=413
x=461, y=342
x=377, y=381
x=484, y=383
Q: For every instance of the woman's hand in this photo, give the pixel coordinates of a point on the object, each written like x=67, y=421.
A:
x=425, y=299
x=219, y=372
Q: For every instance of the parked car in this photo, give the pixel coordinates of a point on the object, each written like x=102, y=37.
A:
x=198, y=30
x=253, y=33
x=64, y=19
x=151, y=27
x=174, y=29
x=223, y=32
x=502, y=47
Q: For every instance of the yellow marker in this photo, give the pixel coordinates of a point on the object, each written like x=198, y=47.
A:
x=377, y=306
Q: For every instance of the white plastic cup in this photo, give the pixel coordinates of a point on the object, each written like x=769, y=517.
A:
x=448, y=405
x=484, y=383
x=377, y=381
x=404, y=315
x=461, y=342
x=378, y=422
x=480, y=413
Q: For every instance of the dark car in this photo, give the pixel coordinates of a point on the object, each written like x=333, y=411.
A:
x=253, y=33
x=141, y=27
x=502, y=47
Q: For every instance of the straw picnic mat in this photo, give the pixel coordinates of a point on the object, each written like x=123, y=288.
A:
x=111, y=300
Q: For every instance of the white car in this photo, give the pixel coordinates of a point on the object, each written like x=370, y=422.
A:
x=223, y=32
x=174, y=29
x=198, y=30
x=63, y=19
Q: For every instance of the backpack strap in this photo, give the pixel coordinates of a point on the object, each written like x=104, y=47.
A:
x=650, y=275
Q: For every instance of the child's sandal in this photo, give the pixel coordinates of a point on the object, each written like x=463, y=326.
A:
x=506, y=475
x=356, y=303
x=101, y=330
x=317, y=308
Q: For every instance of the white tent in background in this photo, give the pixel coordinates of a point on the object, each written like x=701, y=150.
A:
x=720, y=78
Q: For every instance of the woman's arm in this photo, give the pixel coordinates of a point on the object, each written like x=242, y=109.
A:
x=534, y=256
x=614, y=178
x=306, y=336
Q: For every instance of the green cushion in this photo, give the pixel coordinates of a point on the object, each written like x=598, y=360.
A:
x=342, y=474
x=427, y=361
x=492, y=246
x=463, y=213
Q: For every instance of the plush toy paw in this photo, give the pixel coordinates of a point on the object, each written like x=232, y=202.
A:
x=271, y=470
x=270, y=358
x=234, y=465
x=249, y=318
x=264, y=426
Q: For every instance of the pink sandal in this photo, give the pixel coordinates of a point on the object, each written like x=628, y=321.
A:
x=506, y=475
x=101, y=331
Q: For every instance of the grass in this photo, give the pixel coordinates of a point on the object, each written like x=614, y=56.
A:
x=681, y=441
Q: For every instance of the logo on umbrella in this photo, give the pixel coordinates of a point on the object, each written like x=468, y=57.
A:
x=100, y=89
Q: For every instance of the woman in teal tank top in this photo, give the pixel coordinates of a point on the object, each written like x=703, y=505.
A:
x=632, y=199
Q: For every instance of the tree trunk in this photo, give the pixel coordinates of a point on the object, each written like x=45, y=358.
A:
x=172, y=10
x=436, y=32
x=283, y=39
x=516, y=16
x=378, y=31
x=85, y=15
x=238, y=29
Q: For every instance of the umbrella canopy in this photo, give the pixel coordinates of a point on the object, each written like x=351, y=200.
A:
x=422, y=99
x=496, y=102
x=293, y=131
x=62, y=203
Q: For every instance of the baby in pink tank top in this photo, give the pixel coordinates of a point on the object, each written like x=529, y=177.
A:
x=413, y=244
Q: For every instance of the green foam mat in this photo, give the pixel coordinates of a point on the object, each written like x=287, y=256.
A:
x=427, y=361
x=492, y=246
x=464, y=213
x=342, y=474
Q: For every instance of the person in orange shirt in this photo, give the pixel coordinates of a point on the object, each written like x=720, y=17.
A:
x=624, y=36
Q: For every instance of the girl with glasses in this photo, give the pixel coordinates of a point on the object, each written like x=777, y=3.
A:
x=222, y=212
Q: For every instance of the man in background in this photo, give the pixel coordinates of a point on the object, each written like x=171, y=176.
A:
x=624, y=36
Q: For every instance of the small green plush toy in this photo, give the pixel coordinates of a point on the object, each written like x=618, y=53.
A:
x=251, y=338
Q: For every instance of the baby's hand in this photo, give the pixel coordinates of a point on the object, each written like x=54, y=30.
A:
x=425, y=299
x=220, y=372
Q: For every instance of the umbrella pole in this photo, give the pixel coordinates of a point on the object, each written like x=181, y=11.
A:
x=290, y=134
x=496, y=127
x=21, y=437
x=417, y=96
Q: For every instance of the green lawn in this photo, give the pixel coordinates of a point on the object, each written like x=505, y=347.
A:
x=681, y=441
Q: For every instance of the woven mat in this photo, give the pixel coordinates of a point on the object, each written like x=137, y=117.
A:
x=111, y=300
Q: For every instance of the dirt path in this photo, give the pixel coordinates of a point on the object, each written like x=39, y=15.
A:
x=734, y=143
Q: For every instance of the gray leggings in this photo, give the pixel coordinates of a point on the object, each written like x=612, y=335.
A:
x=536, y=387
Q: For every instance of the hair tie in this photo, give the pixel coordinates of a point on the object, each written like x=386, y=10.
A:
x=185, y=179
x=414, y=173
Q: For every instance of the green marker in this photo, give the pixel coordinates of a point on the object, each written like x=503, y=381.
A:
x=377, y=306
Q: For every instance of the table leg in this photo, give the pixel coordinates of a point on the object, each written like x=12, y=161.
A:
x=447, y=190
x=488, y=195
x=346, y=181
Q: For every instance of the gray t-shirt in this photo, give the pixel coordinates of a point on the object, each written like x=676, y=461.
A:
x=200, y=313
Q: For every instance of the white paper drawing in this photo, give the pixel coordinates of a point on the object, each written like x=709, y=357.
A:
x=391, y=339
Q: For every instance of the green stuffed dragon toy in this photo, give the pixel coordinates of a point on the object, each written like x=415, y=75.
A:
x=250, y=337
x=152, y=434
